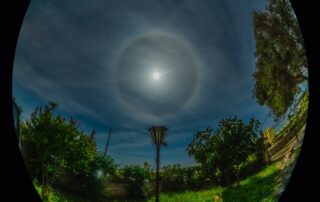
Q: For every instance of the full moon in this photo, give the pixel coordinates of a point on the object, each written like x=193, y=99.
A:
x=156, y=75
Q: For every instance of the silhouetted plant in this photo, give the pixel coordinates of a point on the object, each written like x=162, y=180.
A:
x=222, y=152
x=55, y=149
x=136, y=180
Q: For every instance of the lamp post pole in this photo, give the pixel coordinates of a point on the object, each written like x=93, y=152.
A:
x=158, y=135
x=157, y=172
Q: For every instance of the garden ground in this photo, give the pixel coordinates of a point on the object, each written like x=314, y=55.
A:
x=267, y=186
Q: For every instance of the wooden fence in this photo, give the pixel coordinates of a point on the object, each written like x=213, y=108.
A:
x=278, y=150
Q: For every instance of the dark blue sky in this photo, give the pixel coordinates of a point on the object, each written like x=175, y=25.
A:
x=96, y=59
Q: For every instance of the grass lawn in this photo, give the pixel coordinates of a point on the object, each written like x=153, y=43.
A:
x=258, y=187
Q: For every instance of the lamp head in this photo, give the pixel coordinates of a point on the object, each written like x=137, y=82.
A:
x=158, y=134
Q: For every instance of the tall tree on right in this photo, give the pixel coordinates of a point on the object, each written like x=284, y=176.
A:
x=281, y=62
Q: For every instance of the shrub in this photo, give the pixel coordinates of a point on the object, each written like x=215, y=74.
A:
x=178, y=178
x=57, y=153
x=92, y=185
x=195, y=178
x=251, y=165
x=136, y=181
x=173, y=178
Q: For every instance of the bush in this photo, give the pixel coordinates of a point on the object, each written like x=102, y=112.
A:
x=173, y=178
x=178, y=178
x=57, y=153
x=253, y=164
x=195, y=178
x=93, y=185
x=136, y=181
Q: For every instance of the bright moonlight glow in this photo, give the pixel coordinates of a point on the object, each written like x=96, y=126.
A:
x=156, y=75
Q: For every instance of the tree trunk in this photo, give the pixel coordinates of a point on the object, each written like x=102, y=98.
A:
x=157, y=173
x=42, y=169
x=238, y=173
x=42, y=183
x=43, y=180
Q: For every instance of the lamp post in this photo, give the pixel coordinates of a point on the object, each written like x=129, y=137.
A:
x=158, y=134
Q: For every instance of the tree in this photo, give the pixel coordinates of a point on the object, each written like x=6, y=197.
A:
x=203, y=149
x=51, y=146
x=281, y=61
x=222, y=152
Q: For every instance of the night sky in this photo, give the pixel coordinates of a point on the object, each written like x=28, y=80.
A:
x=129, y=65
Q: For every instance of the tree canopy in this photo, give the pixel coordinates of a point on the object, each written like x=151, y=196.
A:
x=281, y=61
x=54, y=148
x=222, y=152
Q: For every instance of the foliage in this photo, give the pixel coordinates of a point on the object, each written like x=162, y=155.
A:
x=194, y=178
x=56, y=152
x=253, y=163
x=298, y=118
x=58, y=196
x=258, y=187
x=178, y=178
x=269, y=135
x=136, y=180
x=221, y=153
x=94, y=185
x=53, y=196
x=303, y=106
x=280, y=57
x=172, y=178
x=203, y=149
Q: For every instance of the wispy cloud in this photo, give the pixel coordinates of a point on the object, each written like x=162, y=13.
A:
x=71, y=53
